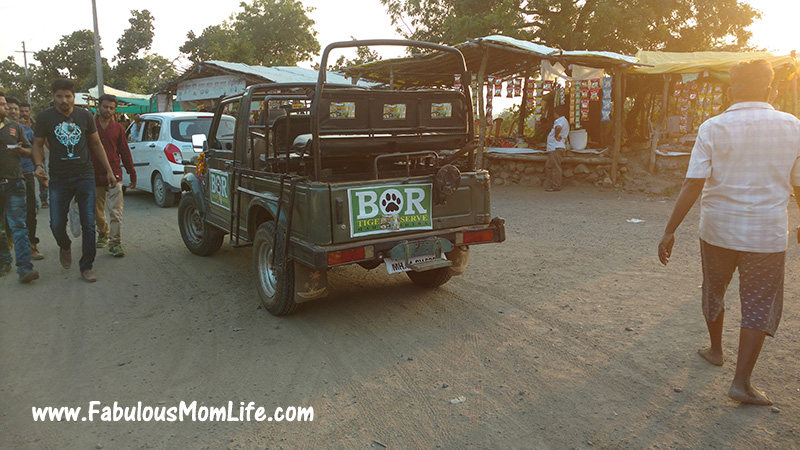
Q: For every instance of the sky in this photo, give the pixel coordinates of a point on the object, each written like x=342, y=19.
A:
x=336, y=20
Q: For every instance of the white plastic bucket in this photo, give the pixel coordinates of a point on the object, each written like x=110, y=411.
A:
x=578, y=139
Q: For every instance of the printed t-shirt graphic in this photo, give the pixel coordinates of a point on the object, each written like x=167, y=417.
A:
x=67, y=137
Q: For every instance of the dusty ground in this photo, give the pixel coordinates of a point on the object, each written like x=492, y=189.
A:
x=569, y=335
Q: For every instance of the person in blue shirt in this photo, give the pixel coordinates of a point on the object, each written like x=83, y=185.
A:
x=30, y=181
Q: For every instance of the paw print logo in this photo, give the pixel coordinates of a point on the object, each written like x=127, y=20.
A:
x=391, y=201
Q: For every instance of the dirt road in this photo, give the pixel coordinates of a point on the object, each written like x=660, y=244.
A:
x=569, y=335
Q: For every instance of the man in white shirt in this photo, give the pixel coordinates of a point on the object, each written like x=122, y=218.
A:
x=556, y=148
x=745, y=164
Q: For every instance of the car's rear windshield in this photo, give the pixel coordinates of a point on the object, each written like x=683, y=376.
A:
x=183, y=129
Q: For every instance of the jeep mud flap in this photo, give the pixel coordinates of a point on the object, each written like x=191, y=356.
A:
x=309, y=284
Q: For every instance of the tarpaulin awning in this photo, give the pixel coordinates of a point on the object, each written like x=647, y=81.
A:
x=717, y=64
x=129, y=102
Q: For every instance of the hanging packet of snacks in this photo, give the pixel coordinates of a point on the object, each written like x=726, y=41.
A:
x=517, y=87
x=510, y=88
x=456, y=81
x=547, y=85
x=490, y=86
x=498, y=87
x=594, y=94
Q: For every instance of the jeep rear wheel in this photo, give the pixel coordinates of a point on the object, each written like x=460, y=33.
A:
x=275, y=282
x=198, y=236
x=430, y=278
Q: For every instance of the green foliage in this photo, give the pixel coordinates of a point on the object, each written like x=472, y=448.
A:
x=363, y=56
x=12, y=79
x=138, y=37
x=136, y=70
x=621, y=26
x=72, y=57
x=265, y=32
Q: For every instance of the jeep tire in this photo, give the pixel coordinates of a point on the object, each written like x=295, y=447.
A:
x=275, y=282
x=430, y=278
x=199, y=237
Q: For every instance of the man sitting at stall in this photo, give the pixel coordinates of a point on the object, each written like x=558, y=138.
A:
x=556, y=148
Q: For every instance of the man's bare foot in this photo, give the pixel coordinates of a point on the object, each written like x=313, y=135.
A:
x=714, y=358
x=752, y=396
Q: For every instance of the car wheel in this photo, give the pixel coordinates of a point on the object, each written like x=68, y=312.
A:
x=199, y=237
x=275, y=282
x=161, y=192
x=430, y=278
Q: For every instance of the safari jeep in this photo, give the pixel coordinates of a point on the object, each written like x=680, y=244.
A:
x=320, y=175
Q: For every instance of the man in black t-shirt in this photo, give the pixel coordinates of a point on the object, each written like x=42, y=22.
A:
x=13, y=145
x=70, y=134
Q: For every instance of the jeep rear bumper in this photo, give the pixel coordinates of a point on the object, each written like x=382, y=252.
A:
x=317, y=256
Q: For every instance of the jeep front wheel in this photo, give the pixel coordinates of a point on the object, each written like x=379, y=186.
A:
x=198, y=236
x=275, y=282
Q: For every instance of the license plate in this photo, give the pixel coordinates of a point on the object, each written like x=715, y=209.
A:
x=399, y=265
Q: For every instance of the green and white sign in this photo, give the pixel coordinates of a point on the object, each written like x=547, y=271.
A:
x=387, y=209
x=220, y=188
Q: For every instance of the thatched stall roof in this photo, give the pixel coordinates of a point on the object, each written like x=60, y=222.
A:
x=506, y=57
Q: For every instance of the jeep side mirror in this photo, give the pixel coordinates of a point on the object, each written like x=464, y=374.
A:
x=199, y=142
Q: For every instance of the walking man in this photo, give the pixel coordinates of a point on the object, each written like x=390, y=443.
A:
x=109, y=199
x=13, y=145
x=25, y=119
x=30, y=182
x=745, y=164
x=556, y=148
x=70, y=133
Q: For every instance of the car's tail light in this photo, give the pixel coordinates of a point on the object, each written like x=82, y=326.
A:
x=471, y=237
x=173, y=154
x=353, y=254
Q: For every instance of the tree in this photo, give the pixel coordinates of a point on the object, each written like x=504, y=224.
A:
x=72, y=57
x=621, y=26
x=266, y=32
x=138, y=37
x=136, y=70
x=12, y=79
x=363, y=56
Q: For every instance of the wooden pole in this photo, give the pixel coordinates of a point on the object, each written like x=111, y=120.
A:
x=618, y=74
x=523, y=108
x=660, y=125
x=482, y=109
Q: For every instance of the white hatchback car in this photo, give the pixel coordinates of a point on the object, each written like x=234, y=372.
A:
x=160, y=144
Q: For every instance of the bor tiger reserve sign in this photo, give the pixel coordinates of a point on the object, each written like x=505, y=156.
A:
x=387, y=209
x=220, y=188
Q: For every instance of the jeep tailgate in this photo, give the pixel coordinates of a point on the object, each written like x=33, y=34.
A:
x=404, y=206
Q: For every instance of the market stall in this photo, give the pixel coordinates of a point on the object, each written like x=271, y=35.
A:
x=538, y=74
x=694, y=88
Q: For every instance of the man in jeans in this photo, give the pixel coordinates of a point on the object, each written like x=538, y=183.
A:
x=112, y=135
x=30, y=181
x=745, y=162
x=70, y=133
x=13, y=145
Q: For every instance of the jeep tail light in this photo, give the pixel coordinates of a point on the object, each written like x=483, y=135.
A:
x=472, y=237
x=352, y=254
x=173, y=154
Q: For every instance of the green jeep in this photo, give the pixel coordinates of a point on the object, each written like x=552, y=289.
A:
x=320, y=175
